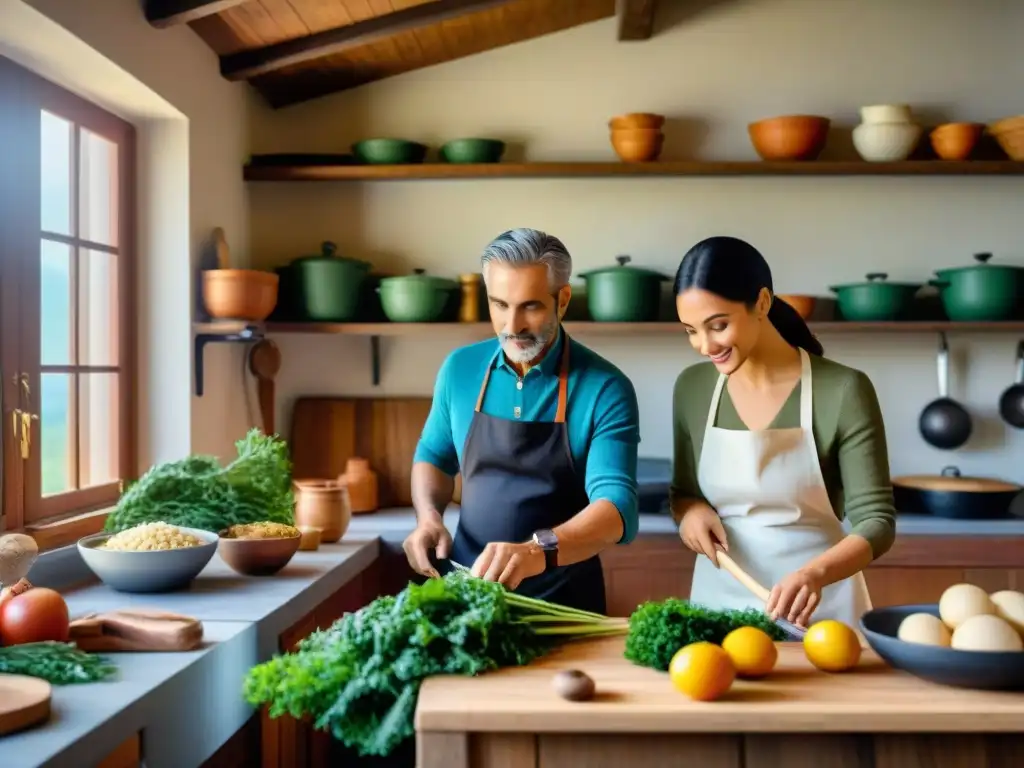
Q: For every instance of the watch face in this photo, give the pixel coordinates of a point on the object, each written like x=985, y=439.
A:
x=546, y=539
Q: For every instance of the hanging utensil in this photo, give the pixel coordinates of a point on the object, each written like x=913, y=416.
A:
x=1011, y=404
x=944, y=423
x=264, y=364
x=758, y=591
x=220, y=244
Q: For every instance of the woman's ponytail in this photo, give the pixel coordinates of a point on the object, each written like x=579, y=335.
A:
x=792, y=328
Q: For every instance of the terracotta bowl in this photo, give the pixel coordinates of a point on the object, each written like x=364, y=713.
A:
x=1009, y=132
x=956, y=141
x=637, y=145
x=637, y=120
x=804, y=305
x=258, y=557
x=239, y=294
x=789, y=137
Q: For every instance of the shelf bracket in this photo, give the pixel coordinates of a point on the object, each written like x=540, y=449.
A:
x=247, y=333
x=375, y=360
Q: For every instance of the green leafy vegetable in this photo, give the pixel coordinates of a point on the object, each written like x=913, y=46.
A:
x=197, y=492
x=658, y=629
x=360, y=678
x=57, y=663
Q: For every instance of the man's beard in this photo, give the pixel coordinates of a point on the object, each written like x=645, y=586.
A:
x=535, y=343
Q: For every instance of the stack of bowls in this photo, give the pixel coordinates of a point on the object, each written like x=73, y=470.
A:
x=637, y=137
x=886, y=134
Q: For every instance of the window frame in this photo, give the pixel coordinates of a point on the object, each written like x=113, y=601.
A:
x=58, y=519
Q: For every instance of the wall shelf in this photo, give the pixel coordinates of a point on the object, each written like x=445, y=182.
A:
x=619, y=169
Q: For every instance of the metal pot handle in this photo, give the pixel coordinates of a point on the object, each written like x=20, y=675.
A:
x=982, y=258
x=623, y=260
x=1020, y=363
x=872, y=276
x=943, y=361
x=327, y=248
x=950, y=472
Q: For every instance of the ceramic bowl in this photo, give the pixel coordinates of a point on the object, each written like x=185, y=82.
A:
x=164, y=570
x=637, y=145
x=637, y=120
x=789, y=137
x=956, y=141
x=258, y=557
x=983, y=670
x=1009, y=132
x=885, y=113
x=804, y=305
x=886, y=142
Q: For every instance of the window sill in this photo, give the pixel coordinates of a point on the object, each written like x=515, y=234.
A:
x=54, y=534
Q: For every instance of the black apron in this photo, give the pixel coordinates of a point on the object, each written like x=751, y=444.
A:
x=518, y=477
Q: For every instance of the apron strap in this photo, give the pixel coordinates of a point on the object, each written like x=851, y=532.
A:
x=563, y=384
x=716, y=396
x=806, y=394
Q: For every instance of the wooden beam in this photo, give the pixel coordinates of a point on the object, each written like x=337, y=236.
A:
x=246, y=65
x=636, y=19
x=169, y=13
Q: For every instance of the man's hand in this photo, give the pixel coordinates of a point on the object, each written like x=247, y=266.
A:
x=509, y=564
x=417, y=545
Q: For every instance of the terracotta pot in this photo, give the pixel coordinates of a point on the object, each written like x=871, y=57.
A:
x=804, y=305
x=637, y=120
x=362, y=485
x=239, y=294
x=956, y=141
x=637, y=145
x=323, y=504
x=789, y=137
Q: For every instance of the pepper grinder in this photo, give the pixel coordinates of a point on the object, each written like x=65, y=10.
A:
x=469, y=311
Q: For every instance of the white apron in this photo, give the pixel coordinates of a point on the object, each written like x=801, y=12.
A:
x=768, y=490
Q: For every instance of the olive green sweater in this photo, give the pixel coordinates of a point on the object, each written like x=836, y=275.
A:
x=848, y=431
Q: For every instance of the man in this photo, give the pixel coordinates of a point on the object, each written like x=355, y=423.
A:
x=544, y=432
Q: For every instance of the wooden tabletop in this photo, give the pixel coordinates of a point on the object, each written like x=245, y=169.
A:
x=794, y=698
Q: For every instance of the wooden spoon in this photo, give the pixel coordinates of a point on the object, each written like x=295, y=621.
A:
x=220, y=243
x=264, y=363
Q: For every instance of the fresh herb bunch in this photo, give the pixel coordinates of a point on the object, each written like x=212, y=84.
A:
x=197, y=492
x=57, y=663
x=658, y=629
x=360, y=678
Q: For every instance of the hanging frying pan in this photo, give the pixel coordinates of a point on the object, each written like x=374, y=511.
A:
x=1011, y=404
x=944, y=423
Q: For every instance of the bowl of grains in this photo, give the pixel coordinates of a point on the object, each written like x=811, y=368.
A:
x=259, y=549
x=147, y=558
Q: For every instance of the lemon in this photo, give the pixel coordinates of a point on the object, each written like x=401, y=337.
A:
x=752, y=651
x=703, y=671
x=832, y=646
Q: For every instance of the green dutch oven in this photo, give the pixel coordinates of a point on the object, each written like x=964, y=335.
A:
x=416, y=298
x=328, y=287
x=876, y=300
x=623, y=294
x=981, y=292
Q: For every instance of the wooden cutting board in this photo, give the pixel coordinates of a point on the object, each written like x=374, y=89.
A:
x=327, y=431
x=24, y=702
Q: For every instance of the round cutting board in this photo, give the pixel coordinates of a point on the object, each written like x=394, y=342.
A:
x=24, y=702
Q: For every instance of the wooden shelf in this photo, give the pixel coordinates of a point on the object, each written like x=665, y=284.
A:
x=591, y=328
x=583, y=170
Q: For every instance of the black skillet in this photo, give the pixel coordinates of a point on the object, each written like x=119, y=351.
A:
x=944, y=423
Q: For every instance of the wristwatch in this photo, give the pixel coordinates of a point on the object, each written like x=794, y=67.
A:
x=547, y=541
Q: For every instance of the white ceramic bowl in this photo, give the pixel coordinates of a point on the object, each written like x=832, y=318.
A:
x=885, y=113
x=886, y=142
x=162, y=570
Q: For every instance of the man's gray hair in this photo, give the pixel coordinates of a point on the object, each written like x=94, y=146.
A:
x=523, y=246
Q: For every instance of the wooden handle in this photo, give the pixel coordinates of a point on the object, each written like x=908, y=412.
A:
x=265, y=395
x=742, y=576
x=220, y=243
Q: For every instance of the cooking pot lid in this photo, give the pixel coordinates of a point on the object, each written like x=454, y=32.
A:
x=329, y=252
x=623, y=262
x=875, y=278
x=952, y=480
x=420, y=276
x=982, y=260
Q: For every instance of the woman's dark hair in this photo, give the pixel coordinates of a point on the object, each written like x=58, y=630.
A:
x=736, y=270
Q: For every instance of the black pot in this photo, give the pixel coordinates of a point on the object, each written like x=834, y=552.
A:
x=951, y=496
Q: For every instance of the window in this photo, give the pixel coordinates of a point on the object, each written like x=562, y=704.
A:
x=66, y=292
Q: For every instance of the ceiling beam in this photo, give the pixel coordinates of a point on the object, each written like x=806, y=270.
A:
x=246, y=65
x=169, y=13
x=636, y=18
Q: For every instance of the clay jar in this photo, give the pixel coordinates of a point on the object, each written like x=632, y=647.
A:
x=361, y=482
x=323, y=504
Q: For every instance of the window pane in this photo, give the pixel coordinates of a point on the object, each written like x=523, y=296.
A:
x=97, y=206
x=55, y=146
x=55, y=324
x=98, y=429
x=97, y=308
x=56, y=422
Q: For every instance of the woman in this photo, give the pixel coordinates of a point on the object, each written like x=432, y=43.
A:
x=769, y=437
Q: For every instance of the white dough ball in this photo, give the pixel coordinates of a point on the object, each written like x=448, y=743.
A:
x=1010, y=608
x=986, y=632
x=925, y=629
x=962, y=602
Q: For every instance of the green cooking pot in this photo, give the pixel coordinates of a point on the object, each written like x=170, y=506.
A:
x=981, y=292
x=876, y=300
x=623, y=294
x=328, y=286
x=415, y=298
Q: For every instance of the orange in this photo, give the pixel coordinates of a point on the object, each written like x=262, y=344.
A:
x=832, y=646
x=703, y=671
x=752, y=651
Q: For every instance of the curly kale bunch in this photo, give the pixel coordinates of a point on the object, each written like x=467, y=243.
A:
x=197, y=492
x=658, y=629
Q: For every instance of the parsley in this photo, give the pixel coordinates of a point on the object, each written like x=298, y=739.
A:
x=57, y=663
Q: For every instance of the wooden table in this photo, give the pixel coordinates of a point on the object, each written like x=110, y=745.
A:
x=873, y=717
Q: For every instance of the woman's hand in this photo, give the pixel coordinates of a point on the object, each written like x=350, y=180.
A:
x=702, y=531
x=795, y=597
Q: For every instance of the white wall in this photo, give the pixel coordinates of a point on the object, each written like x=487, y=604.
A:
x=734, y=63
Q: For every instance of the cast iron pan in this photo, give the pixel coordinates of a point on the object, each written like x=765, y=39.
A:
x=1011, y=404
x=952, y=496
x=944, y=423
